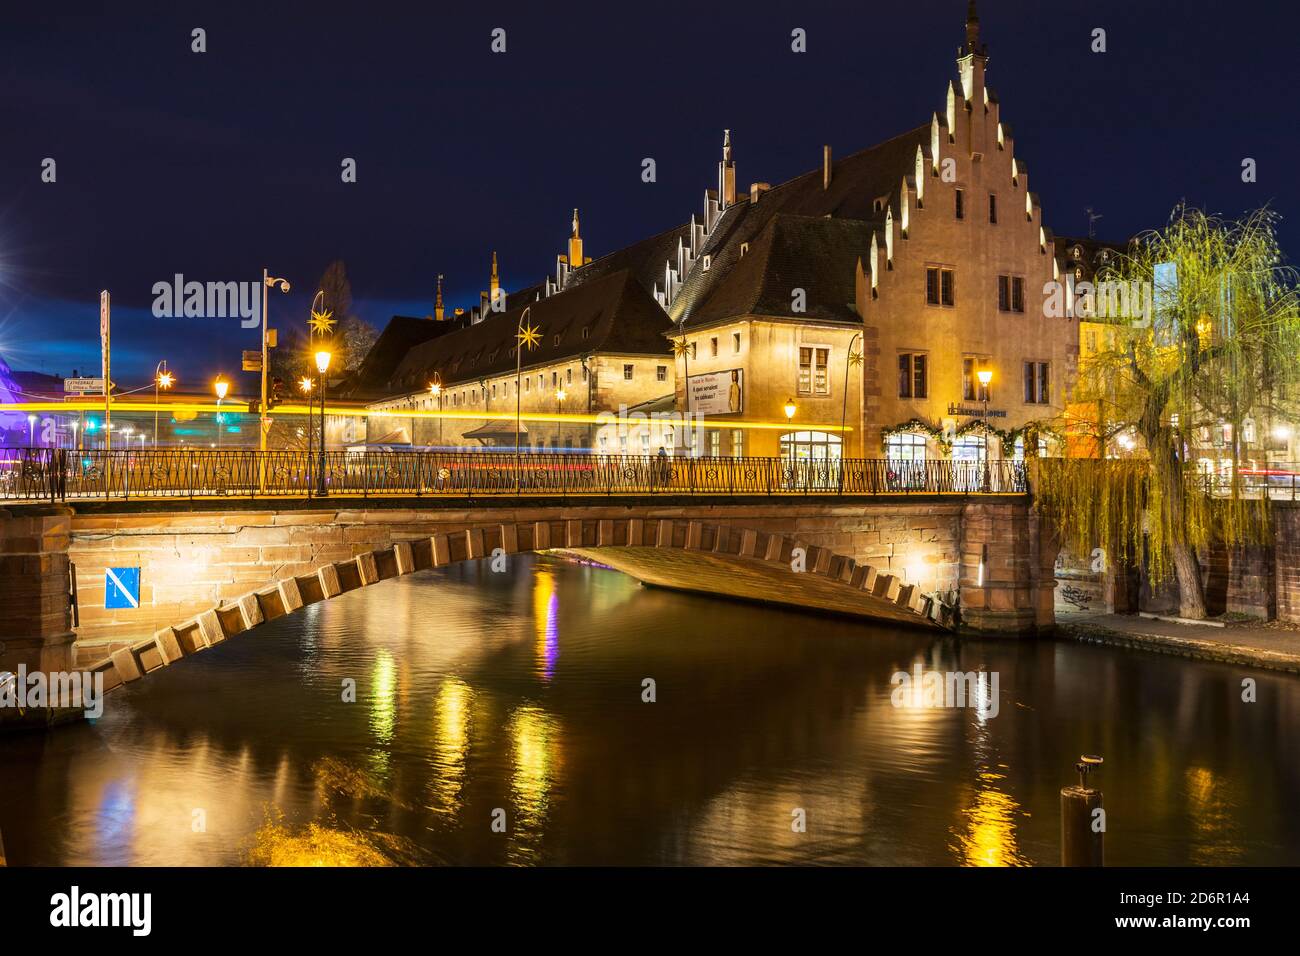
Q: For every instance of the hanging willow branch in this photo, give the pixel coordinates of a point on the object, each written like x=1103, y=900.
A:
x=1216, y=341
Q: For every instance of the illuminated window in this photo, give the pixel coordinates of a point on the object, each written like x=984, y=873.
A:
x=912, y=375
x=814, y=374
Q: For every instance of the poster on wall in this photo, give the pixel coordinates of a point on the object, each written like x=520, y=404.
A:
x=717, y=393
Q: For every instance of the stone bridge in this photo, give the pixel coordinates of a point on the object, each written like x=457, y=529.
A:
x=207, y=574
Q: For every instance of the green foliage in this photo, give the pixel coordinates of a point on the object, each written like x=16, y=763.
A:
x=1219, y=343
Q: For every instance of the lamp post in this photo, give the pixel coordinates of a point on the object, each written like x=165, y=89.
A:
x=435, y=389
x=31, y=431
x=322, y=366
x=525, y=337
x=264, y=420
x=221, y=387
x=162, y=378
x=305, y=384
x=74, y=426
x=851, y=359
x=560, y=396
x=985, y=376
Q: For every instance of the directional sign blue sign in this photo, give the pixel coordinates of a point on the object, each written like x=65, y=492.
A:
x=121, y=587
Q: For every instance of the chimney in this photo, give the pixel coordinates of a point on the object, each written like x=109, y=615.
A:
x=757, y=189
x=826, y=167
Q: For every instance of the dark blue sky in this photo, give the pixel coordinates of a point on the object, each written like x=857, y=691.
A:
x=215, y=164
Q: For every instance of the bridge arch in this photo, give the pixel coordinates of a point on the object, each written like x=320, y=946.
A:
x=831, y=581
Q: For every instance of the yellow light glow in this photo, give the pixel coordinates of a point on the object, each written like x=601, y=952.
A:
x=790, y=409
x=435, y=389
x=560, y=395
x=359, y=411
x=305, y=384
x=323, y=361
x=165, y=380
x=985, y=375
x=222, y=387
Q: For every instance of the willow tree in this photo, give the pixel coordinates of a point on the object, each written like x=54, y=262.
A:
x=1201, y=332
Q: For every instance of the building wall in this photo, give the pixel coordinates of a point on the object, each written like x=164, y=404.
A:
x=769, y=358
x=972, y=152
x=602, y=387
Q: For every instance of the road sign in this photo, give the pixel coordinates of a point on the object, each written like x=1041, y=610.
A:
x=121, y=587
x=252, y=360
x=95, y=385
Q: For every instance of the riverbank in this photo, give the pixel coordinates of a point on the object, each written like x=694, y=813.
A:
x=1271, y=646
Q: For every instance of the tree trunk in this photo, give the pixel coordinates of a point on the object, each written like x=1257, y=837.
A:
x=1191, y=591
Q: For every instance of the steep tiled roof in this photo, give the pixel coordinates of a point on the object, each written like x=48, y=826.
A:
x=400, y=335
x=814, y=254
x=617, y=314
x=644, y=259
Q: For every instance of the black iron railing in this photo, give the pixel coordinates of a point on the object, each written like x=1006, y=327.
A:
x=60, y=474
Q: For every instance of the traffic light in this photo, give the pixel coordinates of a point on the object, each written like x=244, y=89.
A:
x=277, y=393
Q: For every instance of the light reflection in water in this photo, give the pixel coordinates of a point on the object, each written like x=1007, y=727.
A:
x=383, y=707
x=452, y=712
x=768, y=710
x=546, y=621
x=535, y=739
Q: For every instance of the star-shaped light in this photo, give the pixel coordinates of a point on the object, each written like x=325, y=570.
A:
x=855, y=359
x=680, y=347
x=321, y=322
x=529, y=336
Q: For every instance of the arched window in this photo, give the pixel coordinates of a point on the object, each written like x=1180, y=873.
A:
x=810, y=446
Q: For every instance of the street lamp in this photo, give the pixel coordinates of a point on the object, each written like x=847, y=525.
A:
x=790, y=409
x=322, y=366
x=851, y=359
x=435, y=389
x=162, y=378
x=74, y=426
x=221, y=387
x=985, y=376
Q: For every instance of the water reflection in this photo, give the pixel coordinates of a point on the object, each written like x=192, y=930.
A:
x=760, y=713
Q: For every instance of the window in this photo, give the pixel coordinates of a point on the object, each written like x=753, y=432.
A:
x=528, y=384
x=627, y=373
x=555, y=379
x=737, y=443
x=735, y=342
x=814, y=375
x=568, y=376
x=939, y=286
x=993, y=209
x=1011, y=294
x=912, y=375
x=961, y=204
x=1037, y=383
x=715, y=443
x=971, y=389
x=810, y=446
x=908, y=446
x=713, y=346
x=584, y=373
x=586, y=332
x=744, y=248
x=661, y=373
x=708, y=263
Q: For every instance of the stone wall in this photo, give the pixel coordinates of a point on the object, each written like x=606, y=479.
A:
x=987, y=551
x=36, y=621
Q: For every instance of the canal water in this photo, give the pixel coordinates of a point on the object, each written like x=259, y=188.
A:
x=518, y=699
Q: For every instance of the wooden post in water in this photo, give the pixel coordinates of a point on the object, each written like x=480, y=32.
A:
x=1083, y=821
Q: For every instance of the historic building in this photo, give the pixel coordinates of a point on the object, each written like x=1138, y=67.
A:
x=869, y=293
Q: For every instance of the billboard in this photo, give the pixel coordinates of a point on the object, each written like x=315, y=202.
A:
x=717, y=393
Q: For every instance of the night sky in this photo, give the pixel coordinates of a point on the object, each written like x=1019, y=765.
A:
x=215, y=164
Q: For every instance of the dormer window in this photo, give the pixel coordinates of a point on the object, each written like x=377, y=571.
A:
x=708, y=263
x=744, y=248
